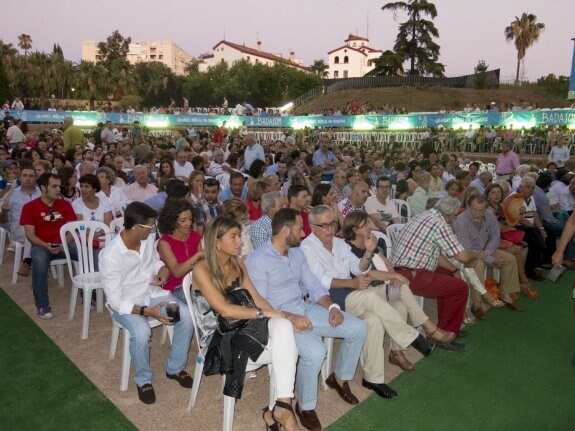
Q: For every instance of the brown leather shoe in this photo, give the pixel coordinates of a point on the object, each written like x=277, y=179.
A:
x=343, y=391
x=24, y=269
x=308, y=419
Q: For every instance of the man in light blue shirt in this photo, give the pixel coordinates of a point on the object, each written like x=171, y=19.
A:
x=280, y=273
x=480, y=183
x=325, y=159
x=236, y=189
x=252, y=151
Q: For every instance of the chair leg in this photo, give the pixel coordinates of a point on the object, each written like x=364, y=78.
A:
x=73, y=299
x=197, y=380
x=60, y=276
x=229, y=406
x=18, y=250
x=99, y=300
x=164, y=333
x=126, y=359
x=326, y=366
x=86, y=315
x=114, y=342
x=3, y=234
x=272, y=385
x=53, y=269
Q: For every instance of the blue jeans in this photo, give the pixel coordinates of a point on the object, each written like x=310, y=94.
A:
x=140, y=336
x=312, y=351
x=41, y=258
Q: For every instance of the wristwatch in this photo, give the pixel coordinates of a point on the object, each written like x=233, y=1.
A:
x=142, y=308
x=259, y=313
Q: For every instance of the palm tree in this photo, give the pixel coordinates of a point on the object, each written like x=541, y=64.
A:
x=319, y=68
x=415, y=37
x=25, y=42
x=525, y=31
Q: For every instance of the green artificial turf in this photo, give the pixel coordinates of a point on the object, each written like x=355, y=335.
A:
x=41, y=389
x=517, y=374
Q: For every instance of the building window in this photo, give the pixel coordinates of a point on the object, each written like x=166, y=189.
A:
x=336, y=74
x=369, y=62
x=346, y=59
x=161, y=57
x=336, y=59
x=353, y=44
x=257, y=60
x=152, y=57
x=345, y=73
x=248, y=58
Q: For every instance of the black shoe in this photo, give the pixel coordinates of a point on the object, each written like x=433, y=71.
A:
x=422, y=345
x=453, y=346
x=183, y=379
x=463, y=333
x=146, y=393
x=380, y=389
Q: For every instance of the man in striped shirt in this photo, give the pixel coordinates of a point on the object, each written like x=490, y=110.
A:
x=419, y=254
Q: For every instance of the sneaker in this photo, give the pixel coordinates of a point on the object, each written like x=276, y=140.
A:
x=24, y=269
x=45, y=313
x=146, y=393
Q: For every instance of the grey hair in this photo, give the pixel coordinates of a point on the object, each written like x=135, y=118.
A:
x=528, y=180
x=447, y=206
x=522, y=170
x=318, y=210
x=504, y=185
x=109, y=173
x=269, y=200
x=290, y=140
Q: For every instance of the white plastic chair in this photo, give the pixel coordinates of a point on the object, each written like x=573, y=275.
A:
x=116, y=226
x=126, y=357
x=399, y=204
x=393, y=232
x=229, y=402
x=86, y=278
x=388, y=244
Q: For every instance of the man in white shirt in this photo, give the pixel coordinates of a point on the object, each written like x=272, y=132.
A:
x=332, y=261
x=14, y=135
x=252, y=152
x=379, y=207
x=182, y=168
x=132, y=277
x=559, y=153
x=108, y=136
x=140, y=190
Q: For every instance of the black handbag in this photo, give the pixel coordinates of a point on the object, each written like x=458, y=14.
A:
x=236, y=295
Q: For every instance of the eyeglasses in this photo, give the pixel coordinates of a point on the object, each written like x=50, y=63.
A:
x=147, y=226
x=326, y=226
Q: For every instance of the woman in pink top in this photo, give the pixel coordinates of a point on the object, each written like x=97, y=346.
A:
x=180, y=246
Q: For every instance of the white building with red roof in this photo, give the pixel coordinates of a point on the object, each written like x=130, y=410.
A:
x=230, y=52
x=352, y=60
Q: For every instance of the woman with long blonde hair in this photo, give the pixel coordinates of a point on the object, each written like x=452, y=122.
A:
x=223, y=282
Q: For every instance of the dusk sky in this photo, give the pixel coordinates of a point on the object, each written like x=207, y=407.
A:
x=469, y=30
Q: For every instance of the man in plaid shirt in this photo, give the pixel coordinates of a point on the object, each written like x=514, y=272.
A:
x=261, y=230
x=419, y=255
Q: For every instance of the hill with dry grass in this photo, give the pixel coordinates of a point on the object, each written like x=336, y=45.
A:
x=433, y=99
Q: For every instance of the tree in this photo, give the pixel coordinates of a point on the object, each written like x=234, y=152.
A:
x=481, y=74
x=389, y=64
x=25, y=42
x=414, y=40
x=115, y=47
x=524, y=31
x=319, y=68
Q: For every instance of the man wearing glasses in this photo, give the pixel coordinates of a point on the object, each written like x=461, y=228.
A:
x=379, y=207
x=133, y=277
x=332, y=261
x=42, y=219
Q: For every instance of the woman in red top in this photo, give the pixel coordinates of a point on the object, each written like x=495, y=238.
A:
x=254, y=198
x=180, y=246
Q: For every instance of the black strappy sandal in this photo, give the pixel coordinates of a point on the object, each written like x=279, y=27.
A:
x=273, y=427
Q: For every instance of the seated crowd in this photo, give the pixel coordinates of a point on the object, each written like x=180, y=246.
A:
x=287, y=245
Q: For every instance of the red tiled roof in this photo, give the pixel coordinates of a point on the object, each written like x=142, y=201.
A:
x=261, y=54
x=347, y=47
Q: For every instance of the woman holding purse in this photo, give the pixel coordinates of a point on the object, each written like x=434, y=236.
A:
x=245, y=320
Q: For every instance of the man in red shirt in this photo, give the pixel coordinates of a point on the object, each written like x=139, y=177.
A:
x=42, y=219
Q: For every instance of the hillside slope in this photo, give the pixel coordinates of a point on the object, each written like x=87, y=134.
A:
x=432, y=99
